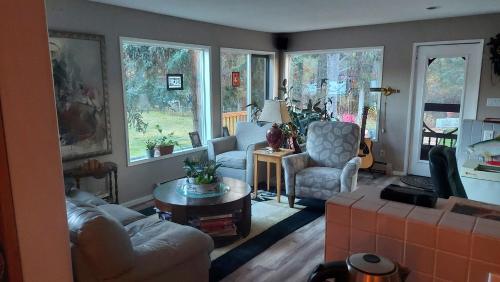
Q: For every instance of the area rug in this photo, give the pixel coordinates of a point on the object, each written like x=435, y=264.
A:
x=418, y=181
x=271, y=222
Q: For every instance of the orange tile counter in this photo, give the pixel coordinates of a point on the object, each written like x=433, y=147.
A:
x=436, y=244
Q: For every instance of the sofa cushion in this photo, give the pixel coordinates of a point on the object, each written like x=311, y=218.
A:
x=122, y=214
x=319, y=178
x=233, y=159
x=159, y=244
x=85, y=197
x=102, y=240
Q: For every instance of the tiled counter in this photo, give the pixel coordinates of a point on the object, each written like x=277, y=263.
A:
x=437, y=245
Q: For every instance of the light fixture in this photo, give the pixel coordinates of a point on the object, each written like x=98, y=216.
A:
x=386, y=91
x=275, y=111
x=430, y=8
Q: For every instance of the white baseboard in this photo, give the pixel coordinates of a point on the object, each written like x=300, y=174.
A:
x=137, y=201
x=398, y=173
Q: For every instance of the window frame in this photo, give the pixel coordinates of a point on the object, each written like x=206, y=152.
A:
x=286, y=72
x=271, y=71
x=206, y=131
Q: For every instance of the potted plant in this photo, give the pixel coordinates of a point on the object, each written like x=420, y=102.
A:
x=202, y=176
x=150, y=147
x=165, y=143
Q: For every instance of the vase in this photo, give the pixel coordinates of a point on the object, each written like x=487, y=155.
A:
x=165, y=150
x=274, y=137
x=294, y=145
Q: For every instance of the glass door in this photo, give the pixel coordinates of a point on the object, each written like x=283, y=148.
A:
x=245, y=79
x=446, y=91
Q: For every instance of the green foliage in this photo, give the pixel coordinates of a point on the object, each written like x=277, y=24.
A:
x=150, y=143
x=165, y=140
x=203, y=172
x=343, y=78
x=145, y=68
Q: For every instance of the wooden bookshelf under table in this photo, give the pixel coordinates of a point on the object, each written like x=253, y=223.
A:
x=183, y=208
x=269, y=157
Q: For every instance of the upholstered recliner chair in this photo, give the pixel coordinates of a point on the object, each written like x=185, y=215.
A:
x=235, y=153
x=330, y=164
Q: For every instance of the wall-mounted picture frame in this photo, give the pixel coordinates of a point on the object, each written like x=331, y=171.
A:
x=81, y=94
x=235, y=79
x=195, y=139
x=175, y=82
x=225, y=131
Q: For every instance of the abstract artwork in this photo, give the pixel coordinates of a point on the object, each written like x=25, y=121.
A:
x=80, y=89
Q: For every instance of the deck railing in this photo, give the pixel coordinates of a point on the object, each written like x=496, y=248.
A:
x=230, y=119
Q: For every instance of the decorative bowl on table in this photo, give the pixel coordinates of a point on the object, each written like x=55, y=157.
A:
x=192, y=190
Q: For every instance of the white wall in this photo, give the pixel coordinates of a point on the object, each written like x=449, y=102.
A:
x=113, y=22
x=398, y=39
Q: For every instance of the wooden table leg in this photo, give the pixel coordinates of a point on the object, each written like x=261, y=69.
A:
x=268, y=175
x=278, y=182
x=255, y=175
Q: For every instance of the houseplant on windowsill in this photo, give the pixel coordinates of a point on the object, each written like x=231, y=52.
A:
x=150, y=147
x=166, y=143
x=202, y=176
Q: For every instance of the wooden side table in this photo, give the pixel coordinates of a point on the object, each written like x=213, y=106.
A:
x=107, y=169
x=269, y=158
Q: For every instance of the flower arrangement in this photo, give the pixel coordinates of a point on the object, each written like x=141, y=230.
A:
x=201, y=172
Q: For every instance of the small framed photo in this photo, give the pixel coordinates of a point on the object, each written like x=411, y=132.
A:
x=175, y=82
x=235, y=79
x=225, y=131
x=195, y=139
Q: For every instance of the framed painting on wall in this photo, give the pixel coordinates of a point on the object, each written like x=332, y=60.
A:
x=235, y=79
x=80, y=89
x=175, y=82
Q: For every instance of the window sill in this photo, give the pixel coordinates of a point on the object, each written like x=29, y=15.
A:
x=173, y=155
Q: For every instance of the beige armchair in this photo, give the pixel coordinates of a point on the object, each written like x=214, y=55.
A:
x=235, y=153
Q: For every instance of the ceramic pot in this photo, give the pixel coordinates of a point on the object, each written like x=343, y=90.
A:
x=150, y=153
x=165, y=150
x=274, y=137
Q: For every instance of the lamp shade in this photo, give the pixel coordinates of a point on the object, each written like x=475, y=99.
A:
x=275, y=111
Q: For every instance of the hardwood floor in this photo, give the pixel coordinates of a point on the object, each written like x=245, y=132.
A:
x=295, y=256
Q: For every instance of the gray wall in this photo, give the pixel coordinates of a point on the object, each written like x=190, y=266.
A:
x=398, y=41
x=113, y=22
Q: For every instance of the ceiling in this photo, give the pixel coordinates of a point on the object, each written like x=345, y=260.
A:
x=303, y=15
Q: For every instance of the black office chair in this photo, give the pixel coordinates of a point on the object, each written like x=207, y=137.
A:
x=444, y=172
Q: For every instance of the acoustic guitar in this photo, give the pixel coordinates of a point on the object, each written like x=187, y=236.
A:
x=365, y=144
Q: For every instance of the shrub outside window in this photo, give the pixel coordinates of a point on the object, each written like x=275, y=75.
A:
x=343, y=76
x=155, y=105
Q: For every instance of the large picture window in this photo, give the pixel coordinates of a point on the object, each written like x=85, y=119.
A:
x=343, y=77
x=255, y=73
x=166, y=88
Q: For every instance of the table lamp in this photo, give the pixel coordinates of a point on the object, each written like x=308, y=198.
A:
x=275, y=111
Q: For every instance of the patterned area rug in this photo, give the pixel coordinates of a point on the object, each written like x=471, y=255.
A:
x=417, y=181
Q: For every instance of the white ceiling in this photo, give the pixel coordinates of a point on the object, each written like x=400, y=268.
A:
x=302, y=15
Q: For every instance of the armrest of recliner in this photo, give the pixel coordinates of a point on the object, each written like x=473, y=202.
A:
x=291, y=165
x=349, y=176
x=220, y=145
x=249, y=153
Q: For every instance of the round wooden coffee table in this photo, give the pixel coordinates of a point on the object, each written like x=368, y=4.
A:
x=236, y=201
